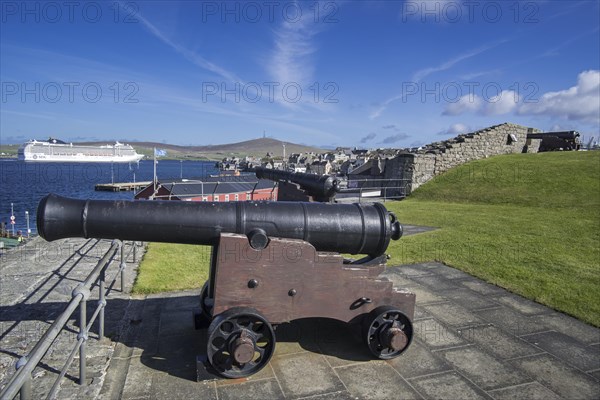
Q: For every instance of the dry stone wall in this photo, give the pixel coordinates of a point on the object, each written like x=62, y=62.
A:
x=419, y=167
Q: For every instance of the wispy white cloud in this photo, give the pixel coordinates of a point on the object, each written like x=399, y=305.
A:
x=552, y=51
x=191, y=56
x=379, y=110
x=477, y=74
x=422, y=73
x=555, y=51
x=425, y=72
x=291, y=58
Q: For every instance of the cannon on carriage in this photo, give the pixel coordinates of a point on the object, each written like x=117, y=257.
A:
x=271, y=263
x=321, y=188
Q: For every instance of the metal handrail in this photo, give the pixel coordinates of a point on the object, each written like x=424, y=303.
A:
x=21, y=381
x=383, y=193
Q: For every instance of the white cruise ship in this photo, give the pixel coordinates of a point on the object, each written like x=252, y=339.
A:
x=54, y=150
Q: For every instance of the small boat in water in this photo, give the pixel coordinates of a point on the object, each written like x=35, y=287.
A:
x=54, y=150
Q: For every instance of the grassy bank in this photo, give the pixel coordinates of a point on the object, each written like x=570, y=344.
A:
x=528, y=223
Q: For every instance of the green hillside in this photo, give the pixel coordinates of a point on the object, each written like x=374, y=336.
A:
x=526, y=222
x=555, y=180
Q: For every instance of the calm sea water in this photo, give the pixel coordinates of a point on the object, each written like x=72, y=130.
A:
x=24, y=184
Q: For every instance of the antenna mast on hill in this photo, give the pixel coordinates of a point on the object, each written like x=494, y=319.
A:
x=264, y=134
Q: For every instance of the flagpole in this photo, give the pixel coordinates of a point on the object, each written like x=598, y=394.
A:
x=154, y=180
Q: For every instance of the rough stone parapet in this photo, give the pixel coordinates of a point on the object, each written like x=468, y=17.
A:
x=421, y=165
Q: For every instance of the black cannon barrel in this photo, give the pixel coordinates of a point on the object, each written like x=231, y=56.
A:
x=317, y=185
x=344, y=228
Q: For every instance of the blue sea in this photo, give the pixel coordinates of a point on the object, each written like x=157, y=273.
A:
x=24, y=183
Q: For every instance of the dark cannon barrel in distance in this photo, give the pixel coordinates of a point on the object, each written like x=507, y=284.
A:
x=318, y=185
x=343, y=228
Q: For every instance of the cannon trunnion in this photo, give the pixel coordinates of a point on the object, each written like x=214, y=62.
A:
x=269, y=265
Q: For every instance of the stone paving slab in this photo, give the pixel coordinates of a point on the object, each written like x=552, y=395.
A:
x=528, y=391
x=499, y=343
x=483, y=369
x=575, y=353
x=571, y=327
x=375, y=380
x=450, y=385
x=559, y=377
x=469, y=299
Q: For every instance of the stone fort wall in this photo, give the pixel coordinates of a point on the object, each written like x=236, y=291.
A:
x=419, y=167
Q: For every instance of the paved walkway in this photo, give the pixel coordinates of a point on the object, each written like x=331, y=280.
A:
x=36, y=281
x=472, y=341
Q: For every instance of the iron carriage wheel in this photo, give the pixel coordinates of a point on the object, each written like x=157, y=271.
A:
x=387, y=332
x=240, y=342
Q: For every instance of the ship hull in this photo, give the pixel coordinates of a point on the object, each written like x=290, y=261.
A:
x=33, y=157
x=34, y=151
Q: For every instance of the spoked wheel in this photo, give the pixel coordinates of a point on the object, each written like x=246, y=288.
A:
x=240, y=342
x=387, y=332
x=206, y=303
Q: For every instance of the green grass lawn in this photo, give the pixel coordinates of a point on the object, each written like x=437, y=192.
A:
x=167, y=267
x=528, y=222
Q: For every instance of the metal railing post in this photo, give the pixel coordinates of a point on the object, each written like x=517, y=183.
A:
x=102, y=304
x=25, y=392
x=82, y=334
x=135, y=252
x=122, y=266
x=84, y=292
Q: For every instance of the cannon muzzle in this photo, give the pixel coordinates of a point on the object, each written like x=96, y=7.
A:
x=320, y=186
x=343, y=228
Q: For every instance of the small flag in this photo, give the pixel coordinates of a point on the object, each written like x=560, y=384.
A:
x=160, y=152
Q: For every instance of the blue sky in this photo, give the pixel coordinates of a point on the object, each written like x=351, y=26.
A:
x=344, y=73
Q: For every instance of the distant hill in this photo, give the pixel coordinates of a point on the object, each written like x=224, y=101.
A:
x=254, y=147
